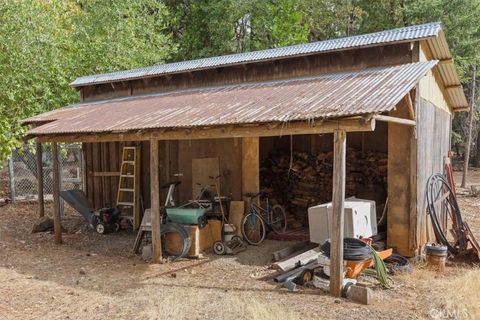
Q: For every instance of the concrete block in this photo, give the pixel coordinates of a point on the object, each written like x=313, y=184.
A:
x=360, y=294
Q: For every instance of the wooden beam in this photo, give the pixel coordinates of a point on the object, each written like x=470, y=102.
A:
x=401, y=173
x=155, y=202
x=445, y=61
x=262, y=130
x=458, y=86
x=411, y=109
x=338, y=203
x=403, y=121
x=57, y=225
x=250, y=165
x=41, y=200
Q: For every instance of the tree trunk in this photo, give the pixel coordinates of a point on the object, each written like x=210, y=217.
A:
x=477, y=154
x=468, y=142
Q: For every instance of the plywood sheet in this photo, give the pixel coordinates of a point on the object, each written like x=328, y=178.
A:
x=202, y=170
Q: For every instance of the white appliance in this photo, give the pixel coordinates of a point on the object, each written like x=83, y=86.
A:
x=360, y=220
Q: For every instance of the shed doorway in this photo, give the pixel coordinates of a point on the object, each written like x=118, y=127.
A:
x=297, y=172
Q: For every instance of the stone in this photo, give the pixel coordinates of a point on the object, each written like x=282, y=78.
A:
x=147, y=252
x=363, y=295
x=43, y=224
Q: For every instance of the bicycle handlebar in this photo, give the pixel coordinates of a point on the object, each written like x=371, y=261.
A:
x=252, y=195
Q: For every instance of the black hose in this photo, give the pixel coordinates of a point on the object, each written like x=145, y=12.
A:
x=353, y=249
x=397, y=263
x=435, y=184
x=173, y=227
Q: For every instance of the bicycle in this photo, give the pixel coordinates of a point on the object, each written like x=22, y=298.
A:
x=253, y=224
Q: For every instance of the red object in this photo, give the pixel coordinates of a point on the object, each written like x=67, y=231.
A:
x=368, y=241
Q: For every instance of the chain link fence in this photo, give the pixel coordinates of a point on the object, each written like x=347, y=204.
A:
x=22, y=169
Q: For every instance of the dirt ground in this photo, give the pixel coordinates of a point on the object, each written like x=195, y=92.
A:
x=94, y=277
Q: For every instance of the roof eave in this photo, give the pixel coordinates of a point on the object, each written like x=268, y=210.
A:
x=439, y=50
x=79, y=86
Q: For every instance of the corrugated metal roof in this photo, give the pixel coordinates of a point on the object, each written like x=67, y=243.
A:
x=333, y=95
x=439, y=49
x=411, y=33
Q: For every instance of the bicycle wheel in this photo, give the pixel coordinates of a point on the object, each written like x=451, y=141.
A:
x=278, y=219
x=253, y=229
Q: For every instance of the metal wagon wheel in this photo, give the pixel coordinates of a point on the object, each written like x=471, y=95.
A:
x=445, y=214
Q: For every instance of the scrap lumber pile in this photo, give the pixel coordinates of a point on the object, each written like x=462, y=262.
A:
x=308, y=264
x=306, y=179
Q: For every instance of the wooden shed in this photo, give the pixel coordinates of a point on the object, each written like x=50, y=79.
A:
x=393, y=91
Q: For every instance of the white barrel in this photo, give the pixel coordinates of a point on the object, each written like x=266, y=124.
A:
x=228, y=232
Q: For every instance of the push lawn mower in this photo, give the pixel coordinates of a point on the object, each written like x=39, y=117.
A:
x=231, y=244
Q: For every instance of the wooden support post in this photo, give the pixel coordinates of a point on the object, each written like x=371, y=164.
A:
x=250, y=165
x=41, y=204
x=401, y=177
x=338, y=202
x=57, y=226
x=155, y=202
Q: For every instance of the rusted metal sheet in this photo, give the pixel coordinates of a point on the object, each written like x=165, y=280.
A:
x=334, y=95
x=411, y=33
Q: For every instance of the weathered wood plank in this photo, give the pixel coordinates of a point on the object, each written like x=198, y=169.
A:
x=89, y=170
x=114, y=167
x=433, y=132
x=268, y=130
x=338, y=203
x=41, y=201
x=155, y=202
x=293, y=250
x=250, y=165
x=359, y=58
x=400, y=164
x=57, y=226
x=298, y=260
x=398, y=120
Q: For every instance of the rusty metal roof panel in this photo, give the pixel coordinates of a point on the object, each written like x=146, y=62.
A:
x=412, y=33
x=373, y=90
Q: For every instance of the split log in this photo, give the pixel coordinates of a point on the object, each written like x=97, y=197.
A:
x=308, y=181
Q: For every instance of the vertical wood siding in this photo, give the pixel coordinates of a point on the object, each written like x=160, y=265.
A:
x=260, y=71
x=433, y=132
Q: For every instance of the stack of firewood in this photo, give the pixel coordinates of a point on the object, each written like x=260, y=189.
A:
x=305, y=179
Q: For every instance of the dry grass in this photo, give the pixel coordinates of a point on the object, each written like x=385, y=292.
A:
x=192, y=306
x=256, y=310
x=453, y=295
x=460, y=294
x=92, y=277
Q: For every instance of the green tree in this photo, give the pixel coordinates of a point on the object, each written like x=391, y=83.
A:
x=34, y=63
x=46, y=44
x=204, y=28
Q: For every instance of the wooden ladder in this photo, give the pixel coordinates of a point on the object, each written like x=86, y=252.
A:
x=128, y=196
